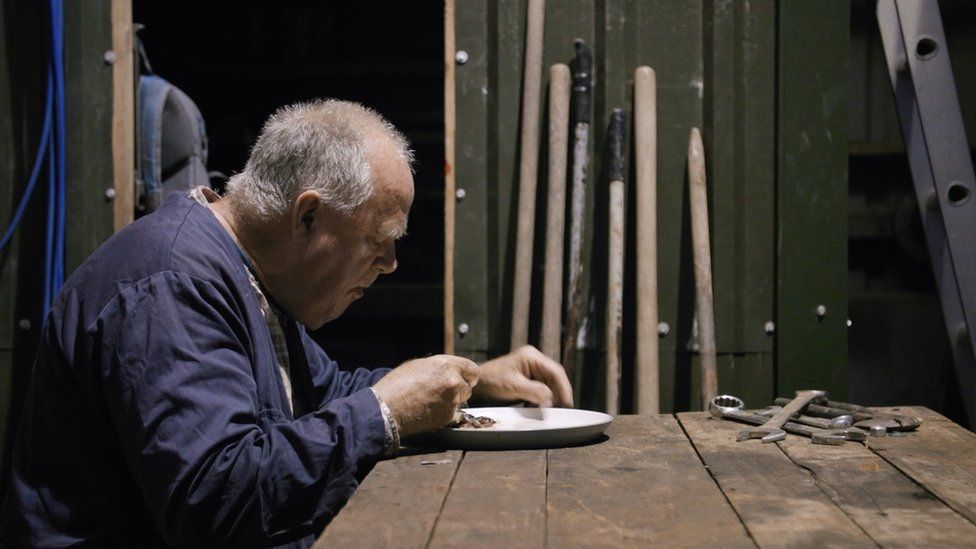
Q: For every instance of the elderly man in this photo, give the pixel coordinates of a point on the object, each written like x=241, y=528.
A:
x=177, y=398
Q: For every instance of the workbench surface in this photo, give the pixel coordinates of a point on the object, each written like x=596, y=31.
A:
x=677, y=480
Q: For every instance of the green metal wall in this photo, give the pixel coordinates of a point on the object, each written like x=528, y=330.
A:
x=719, y=67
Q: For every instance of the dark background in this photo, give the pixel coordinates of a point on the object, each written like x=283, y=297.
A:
x=240, y=61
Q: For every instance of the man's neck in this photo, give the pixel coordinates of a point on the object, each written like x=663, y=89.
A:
x=224, y=212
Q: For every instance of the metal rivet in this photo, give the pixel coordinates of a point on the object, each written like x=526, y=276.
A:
x=849, y=323
x=769, y=327
x=110, y=194
x=461, y=57
x=460, y=194
x=821, y=311
x=663, y=329
x=463, y=328
x=109, y=57
x=24, y=324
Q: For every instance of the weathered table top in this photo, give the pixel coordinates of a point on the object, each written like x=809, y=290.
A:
x=677, y=481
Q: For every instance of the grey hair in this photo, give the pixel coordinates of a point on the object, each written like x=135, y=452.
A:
x=320, y=146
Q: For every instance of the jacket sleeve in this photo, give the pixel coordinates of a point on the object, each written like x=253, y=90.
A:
x=212, y=465
x=331, y=382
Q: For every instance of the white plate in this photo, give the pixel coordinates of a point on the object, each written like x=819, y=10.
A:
x=523, y=428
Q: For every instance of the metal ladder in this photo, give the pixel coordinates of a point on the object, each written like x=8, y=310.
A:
x=942, y=169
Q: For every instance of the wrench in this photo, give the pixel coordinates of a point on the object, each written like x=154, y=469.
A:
x=860, y=413
x=772, y=431
x=839, y=422
x=730, y=407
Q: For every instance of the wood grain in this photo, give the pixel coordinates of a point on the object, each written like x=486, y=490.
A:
x=892, y=509
x=780, y=504
x=552, y=292
x=704, y=302
x=498, y=500
x=940, y=455
x=647, y=386
x=644, y=486
x=397, y=505
x=528, y=170
x=450, y=126
x=123, y=115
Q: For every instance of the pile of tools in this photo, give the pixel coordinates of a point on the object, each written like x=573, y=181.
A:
x=811, y=415
x=565, y=321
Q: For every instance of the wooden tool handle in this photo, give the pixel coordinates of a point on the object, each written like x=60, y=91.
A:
x=528, y=168
x=552, y=299
x=645, y=144
x=615, y=263
x=704, y=309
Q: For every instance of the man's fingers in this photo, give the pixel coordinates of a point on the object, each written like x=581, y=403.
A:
x=469, y=371
x=552, y=374
x=537, y=393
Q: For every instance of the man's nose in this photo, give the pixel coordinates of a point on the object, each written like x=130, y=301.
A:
x=386, y=263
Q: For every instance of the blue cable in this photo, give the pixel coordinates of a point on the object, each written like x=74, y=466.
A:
x=49, y=232
x=57, y=22
x=36, y=169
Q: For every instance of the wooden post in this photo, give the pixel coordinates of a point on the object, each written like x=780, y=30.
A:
x=528, y=167
x=123, y=114
x=449, y=182
x=704, y=308
x=645, y=141
x=615, y=263
x=552, y=293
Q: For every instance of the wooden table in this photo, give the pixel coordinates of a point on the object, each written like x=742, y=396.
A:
x=676, y=481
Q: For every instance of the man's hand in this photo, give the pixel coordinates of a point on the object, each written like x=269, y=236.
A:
x=525, y=374
x=423, y=394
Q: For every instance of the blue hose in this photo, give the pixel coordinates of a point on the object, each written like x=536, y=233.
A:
x=42, y=146
x=52, y=146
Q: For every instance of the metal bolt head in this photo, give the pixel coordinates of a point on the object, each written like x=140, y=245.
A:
x=24, y=324
x=460, y=194
x=109, y=57
x=461, y=57
x=769, y=327
x=463, y=328
x=110, y=194
x=821, y=311
x=849, y=323
x=663, y=329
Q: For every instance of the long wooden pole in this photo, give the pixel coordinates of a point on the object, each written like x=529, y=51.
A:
x=552, y=293
x=704, y=309
x=582, y=67
x=615, y=263
x=123, y=115
x=449, y=181
x=645, y=141
x=528, y=168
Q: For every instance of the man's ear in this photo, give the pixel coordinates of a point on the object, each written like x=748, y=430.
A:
x=304, y=211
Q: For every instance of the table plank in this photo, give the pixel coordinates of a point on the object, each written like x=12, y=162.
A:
x=891, y=508
x=644, y=486
x=941, y=456
x=397, y=504
x=498, y=499
x=780, y=503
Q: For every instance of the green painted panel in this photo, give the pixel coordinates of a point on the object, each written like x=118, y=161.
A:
x=812, y=196
x=88, y=82
x=739, y=136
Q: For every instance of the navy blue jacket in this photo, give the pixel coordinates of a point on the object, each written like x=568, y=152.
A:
x=156, y=414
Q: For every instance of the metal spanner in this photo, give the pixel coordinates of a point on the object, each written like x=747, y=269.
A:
x=772, y=429
x=864, y=417
x=730, y=407
x=838, y=422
